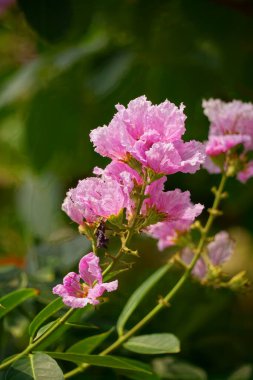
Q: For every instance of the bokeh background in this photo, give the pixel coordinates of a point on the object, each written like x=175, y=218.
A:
x=64, y=64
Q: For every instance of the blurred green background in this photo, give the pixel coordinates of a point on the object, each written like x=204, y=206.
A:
x=64, y=65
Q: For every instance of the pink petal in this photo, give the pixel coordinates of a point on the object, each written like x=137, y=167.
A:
x=246, y=173
x=89, y=269
x=71, y=208
x=99, y=289
x=75, y=302
x=110, y=286
x=163, y=158
x=71, y=285
x=210, y=166
x=221, y=248
x=192, y=155
x=221, y=144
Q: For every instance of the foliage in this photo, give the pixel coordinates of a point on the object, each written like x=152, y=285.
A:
x=63, y=66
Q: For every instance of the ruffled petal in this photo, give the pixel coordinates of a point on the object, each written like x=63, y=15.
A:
x=89, y=269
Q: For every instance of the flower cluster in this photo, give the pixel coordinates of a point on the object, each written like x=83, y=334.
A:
x=151, y=134
x=142, y=138
x=144, y=142
x=230, y=137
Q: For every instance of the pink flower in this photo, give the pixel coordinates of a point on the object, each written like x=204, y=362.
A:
x=232, y=118
x=219, y=251
x=95, y=198
x=231, y=126
x=221, y=248
x=180, y=215
x=126, y=178
x=77, y=294
x=152, y=134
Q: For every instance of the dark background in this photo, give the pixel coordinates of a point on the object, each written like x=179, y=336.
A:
x=63, y=66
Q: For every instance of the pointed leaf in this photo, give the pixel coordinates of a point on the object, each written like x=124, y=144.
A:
x=12, y=300
x=243, y=373
x=139, y=375
x=138, y=296
x=44, y=314
x=88, y=345
x=43, y=329
x=36, y=366
x=81, y=325
x=169, y=368
x=114, y=274
x=101, y=361
x=58, y=333
x=153, y=344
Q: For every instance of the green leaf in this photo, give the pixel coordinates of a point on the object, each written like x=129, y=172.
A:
x=76, y=317
x=118, y=220
x=12, y=300
x=36, y=366
x=169, y=368
x=152, y=217
x=138, y=296
x=101, y=361
x=88, y=345
x=81, y=325
x=44, y=314
x=43, y=329
x=153, y=344
x=139, y=375
x=243, y=373
x=110, y=275
x=26, y=81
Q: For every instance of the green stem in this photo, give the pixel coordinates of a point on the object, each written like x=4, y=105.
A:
x=33, y=345
x=131, y=228
x=60, y=321
x=173, y=291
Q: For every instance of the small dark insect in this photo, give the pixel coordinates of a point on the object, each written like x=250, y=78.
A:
x=102, y=240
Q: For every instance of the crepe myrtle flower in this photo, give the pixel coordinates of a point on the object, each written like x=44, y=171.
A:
x=221, y=248
x=231, y=126
x=219, y=251
x=95, y=198
x=79, y=290
x=179, y=214
x=151, y=134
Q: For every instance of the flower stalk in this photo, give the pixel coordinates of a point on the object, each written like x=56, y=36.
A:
x=165, y=301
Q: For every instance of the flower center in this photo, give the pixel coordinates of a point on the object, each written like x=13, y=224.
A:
x=85, y=290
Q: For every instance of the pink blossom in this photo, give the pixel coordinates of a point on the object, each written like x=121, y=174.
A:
x=95, y=198
x=222, y=144
x=152, y=135
x=77, y=294
x=180, y=215
x=231, y=126
x=246, y=172
x=221, y=248
x=231, y=118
